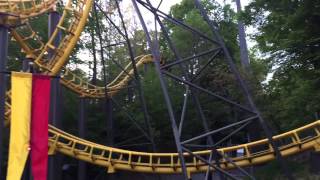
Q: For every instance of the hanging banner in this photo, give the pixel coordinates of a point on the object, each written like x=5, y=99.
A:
x=20, y=124
x=39, y=126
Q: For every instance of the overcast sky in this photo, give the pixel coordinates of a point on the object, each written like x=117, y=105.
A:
x=166, y=4
x=165, y=7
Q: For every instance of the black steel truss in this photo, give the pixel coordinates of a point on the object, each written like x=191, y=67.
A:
x=191, y=86
x=122, y=30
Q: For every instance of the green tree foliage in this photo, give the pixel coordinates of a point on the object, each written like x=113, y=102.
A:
x=186, y=11
x=289, y=39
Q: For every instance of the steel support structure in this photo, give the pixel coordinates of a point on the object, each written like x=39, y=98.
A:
x=192, y=89
x=195, y=99
x=192, y=92
x=93, y=45
x=132, y=119
x=53, y=20
x=98, y=32
x=244, y=87
x=146, y=133
x=26, y=65
x=82, y=133
x=122, y=30
x=55, y=163
x=3, y=87
x=156, y=55
x=137, y=81
x=244, y=55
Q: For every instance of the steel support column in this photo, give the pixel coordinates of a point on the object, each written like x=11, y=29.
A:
x=242, y=42
x=26, y=65
x=184, y=109
x=156, y=55
x=53, y=20
x=109, y=118
x=82, y=133
x=93, y=44
x=3, y=67
x=55, y=163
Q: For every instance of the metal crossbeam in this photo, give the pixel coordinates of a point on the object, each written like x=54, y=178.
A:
x=176, y=22
x=179, y=61
x=218, y=130
x=208, y=92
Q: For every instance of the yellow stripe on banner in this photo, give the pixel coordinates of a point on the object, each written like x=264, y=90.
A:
x=20, y=124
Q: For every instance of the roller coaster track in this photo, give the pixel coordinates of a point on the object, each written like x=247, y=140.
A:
x=19, y=10
x=61, y=53
x=71, y=25
x=68, y=78
x=84, y=88
x=293, y=142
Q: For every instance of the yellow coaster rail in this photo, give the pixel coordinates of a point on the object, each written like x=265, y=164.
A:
x=293, y=142
x=70, y=26
x=18, y=10
x=84, y=88
x=75, y=14
x=30, y=36
x=72, y=81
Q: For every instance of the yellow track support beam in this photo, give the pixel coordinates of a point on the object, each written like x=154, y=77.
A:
x=296, y=141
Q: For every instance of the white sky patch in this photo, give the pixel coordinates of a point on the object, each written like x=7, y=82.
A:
x=165, y=7
x=130, y=14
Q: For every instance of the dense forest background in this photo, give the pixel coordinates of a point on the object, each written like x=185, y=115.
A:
x=284, y=75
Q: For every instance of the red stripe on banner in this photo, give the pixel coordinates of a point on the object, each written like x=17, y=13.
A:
x=39, y=126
